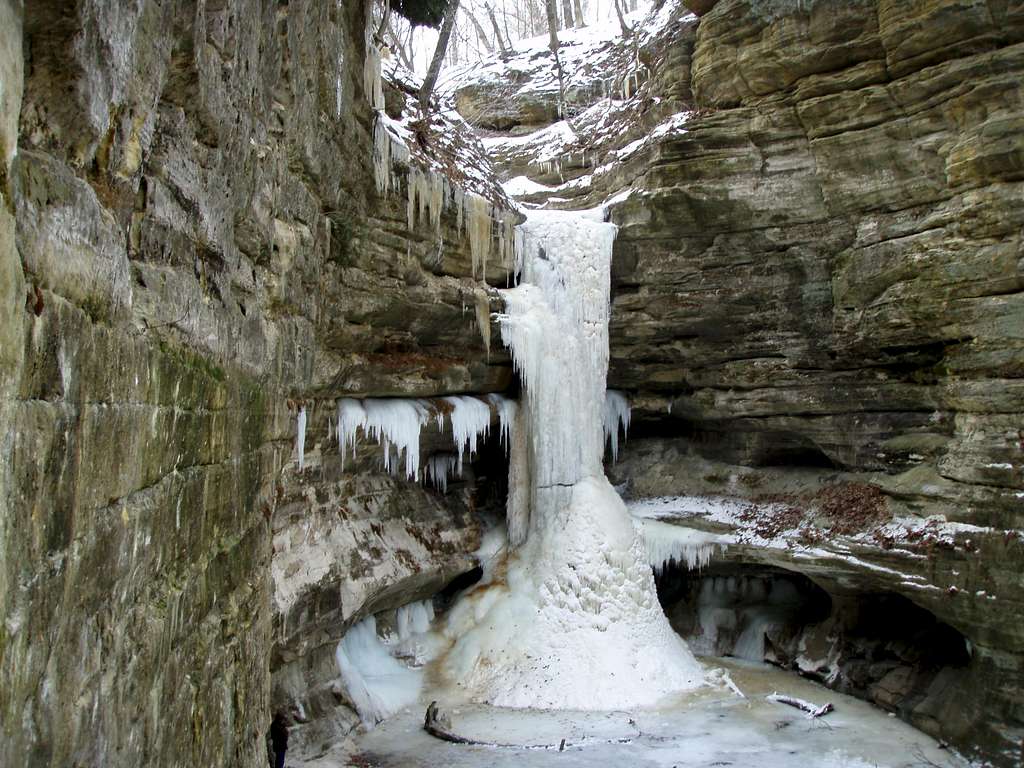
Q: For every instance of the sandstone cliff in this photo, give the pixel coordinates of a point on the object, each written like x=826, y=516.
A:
x=193, y=247
x=823, y=273
x=817, y=284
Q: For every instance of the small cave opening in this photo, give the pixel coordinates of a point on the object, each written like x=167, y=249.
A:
x=444, y=599
x=795, y=456
x=748, y=611
x=785, y=449
x=490, y=470
x=483, y=479
x=876, y=645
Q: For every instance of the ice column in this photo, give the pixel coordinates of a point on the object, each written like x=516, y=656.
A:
x=579, y=625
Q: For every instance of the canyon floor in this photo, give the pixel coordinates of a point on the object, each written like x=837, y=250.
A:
x=709, y=727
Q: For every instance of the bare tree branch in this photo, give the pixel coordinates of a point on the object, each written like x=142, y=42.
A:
x=442, y=45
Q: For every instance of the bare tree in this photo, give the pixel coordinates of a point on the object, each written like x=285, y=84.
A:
x=626, y=31
x=502, y=46
x=580, y=20
x=552, y=15
x=519, y=17
x=442, y=45
x=402, y=48
x=481, y=35
x=567, y=14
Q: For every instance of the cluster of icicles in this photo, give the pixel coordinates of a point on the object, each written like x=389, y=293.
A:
x=396, y=424
x=429, y=193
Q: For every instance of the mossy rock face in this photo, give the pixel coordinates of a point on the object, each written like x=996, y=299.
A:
x=190, y=243
x=821, y=275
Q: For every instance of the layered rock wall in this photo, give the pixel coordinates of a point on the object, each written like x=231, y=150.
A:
x=190, y=248
x=819, y=280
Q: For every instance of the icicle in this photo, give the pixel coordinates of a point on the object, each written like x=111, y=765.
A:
x=483, y=318
x=388, y=151
x=616, y=413
x=381, y=157
x=389, y=421
x=507, y=410
x=507, y=240
x=412, y=188
x=426, y=194
x=459, y=200
x=666, y=543
x=300, y=437
x=438, y=469
x=351, y=417
x=470, y=417
x=371, y=76
x=479, y=224
x=397, y=423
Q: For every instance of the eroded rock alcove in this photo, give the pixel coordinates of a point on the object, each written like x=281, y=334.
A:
x=220, y=223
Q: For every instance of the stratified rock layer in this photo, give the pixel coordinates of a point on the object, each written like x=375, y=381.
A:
x=191, y=246
x=823, y=273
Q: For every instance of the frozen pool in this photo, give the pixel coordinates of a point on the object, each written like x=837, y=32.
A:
x=709, y=727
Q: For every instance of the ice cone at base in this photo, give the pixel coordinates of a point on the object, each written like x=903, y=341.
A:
x=576, y=623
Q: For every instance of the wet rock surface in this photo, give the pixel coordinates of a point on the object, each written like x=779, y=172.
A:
x=817, y=281
x=822, y=276
x=191, y=247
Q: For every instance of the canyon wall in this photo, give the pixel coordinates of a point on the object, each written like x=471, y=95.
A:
x=818, y=280
x=192, y=248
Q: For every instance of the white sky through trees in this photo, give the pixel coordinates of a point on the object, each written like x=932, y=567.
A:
x=474, y=36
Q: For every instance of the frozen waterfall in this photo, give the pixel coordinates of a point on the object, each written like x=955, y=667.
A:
x=576, y=624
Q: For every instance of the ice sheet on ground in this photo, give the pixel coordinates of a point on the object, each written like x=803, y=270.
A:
x=711, y=726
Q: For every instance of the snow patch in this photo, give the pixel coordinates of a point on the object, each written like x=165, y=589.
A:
x=524, y=185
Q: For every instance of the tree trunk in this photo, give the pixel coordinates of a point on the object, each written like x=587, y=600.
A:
x=552, y=14
x=497, y=30
x=580, y=21
x=442, y=45
x=508, y=35
x=482, y=36
x=567, y=14
x=626, y=31
x=385, y=17
x=401, y=50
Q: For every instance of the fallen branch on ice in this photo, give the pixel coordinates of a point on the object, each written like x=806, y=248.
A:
x=812, y=710
x=438, y=724
x=719, y=675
